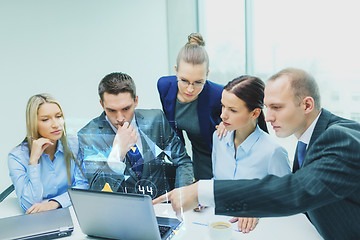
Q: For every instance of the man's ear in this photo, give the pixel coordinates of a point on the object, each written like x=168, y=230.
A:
x=136, y=100
x=308, y=104
x=101, y=103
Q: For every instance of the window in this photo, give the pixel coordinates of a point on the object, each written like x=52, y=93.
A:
x=317, y=36
x=222, y=25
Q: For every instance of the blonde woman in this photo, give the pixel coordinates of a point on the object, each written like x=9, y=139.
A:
x=44, y=165
x=192, y=103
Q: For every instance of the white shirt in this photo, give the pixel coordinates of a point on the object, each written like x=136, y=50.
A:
x=306, y=136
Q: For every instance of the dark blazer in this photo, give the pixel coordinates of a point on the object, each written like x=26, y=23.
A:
x=208, y=114
x=327, y=186
x=95, y=142
x=209, y=106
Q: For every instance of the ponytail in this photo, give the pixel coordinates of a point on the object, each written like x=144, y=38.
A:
x=262, y=123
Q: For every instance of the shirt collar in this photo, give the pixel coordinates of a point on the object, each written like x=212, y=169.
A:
x=249, y=141
x=60, y=147
x=306, y=136
x=229, y=139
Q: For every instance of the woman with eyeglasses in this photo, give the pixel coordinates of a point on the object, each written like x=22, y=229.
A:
x=192, y=103
x=247, y=151
x=44, y=165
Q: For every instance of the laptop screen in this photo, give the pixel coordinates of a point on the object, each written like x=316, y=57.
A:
x=50, y=224
x=118, y=215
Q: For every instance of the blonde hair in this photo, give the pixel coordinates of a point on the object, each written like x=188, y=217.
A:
x=32, y=109
x=193, y=52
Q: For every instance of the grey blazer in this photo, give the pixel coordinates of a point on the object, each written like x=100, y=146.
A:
x=327, y=186
x=95, y=142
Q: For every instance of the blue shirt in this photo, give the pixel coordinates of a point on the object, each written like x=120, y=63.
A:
x=256, y=157
x=45, y=181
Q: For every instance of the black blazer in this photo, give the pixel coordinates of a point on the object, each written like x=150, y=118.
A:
x=327, y=186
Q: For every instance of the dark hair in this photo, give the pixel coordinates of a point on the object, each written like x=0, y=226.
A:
x=115, y=83
x=251, y=90
x=302, y=84
x=193, y=52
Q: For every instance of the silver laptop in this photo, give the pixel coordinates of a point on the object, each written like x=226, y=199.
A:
x=120, y=215
x=44, y=225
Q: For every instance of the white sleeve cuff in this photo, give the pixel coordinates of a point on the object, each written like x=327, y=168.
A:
x=206, y=193
x=114, y=160
x=118, y=167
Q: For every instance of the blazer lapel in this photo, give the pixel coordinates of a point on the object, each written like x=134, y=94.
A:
x=296, y=162
x=106, y=132
x=320, y=127
x=170, y=102
x=147, y=154
x=204, y=113
x=148, y=146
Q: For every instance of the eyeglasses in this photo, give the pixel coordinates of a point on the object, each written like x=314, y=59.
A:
x=186, y=83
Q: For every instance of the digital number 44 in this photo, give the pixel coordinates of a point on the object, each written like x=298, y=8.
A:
x=148, y=190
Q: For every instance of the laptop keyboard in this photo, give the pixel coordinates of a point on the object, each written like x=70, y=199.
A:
x=163, y=229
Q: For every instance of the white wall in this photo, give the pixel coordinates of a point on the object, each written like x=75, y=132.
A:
x=65, y=48
x=182, y=19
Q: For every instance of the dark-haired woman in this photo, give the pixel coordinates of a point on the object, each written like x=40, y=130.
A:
x=247, y=151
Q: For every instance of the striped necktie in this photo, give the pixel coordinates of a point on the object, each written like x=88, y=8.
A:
x=301, y=151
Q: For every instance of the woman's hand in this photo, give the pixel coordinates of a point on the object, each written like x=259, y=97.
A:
x=42, y=207
x=245, y=224
x=220, y=130
x=38, y=147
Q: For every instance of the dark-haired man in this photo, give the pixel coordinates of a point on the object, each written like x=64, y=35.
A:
x=131, y=150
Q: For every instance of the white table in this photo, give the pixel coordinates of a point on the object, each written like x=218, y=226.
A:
x=296, y=227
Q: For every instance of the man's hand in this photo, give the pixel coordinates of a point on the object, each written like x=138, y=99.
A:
x=125, y=138
x=182, y=199
x=42, y=207
x=245, y=224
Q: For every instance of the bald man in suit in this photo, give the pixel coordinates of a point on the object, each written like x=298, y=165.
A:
x=325, y=182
